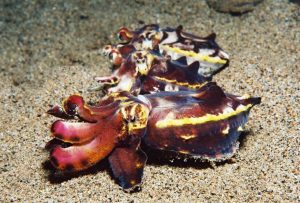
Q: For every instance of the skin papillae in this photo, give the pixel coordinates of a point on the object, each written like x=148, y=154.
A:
x=203, y=124
x=151, y=59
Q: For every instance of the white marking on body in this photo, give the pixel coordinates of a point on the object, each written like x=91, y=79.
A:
x=144, y=100
x=241, y=107
x=223, y=54
x=245, y=96
x=228, y=110
x=99, y=79
x=171, y=88
x=123, y=112
x=206, y=52
x=190, y=60
x=170, y=115
x=173, y=55
x=240, y=129
x=125, y=84
x=207, y=69
x=163, y=102
x=107, y=79
x=172, y=37
x=168, y=87
x=184, y=46
x=156, y=89
x=226, y=130
x=147, y=44
x=196, y=39
x=142, y=68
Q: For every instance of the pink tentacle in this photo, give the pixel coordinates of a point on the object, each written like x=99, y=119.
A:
x=74, y=132
x=75, y=105
x=79, y=157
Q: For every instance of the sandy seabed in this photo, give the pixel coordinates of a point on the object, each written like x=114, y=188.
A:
x=49, y=51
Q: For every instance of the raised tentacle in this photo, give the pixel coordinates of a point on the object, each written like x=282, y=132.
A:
x=59, y=112
x=75, y=105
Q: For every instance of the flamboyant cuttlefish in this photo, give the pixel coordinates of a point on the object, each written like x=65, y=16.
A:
x=153, y=59
x=205, y=123
x=159, y=94
x=178, y=45
x=144, y=72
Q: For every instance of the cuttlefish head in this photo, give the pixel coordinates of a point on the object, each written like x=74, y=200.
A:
x=88, y=133
x=143, y=62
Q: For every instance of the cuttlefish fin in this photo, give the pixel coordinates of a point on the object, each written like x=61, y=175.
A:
x=194, y=67
x=211, y=93
x=211, y=36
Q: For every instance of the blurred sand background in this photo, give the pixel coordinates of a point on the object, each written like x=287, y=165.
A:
x=49, y=51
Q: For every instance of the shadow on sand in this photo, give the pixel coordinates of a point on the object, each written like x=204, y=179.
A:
x=155, y=157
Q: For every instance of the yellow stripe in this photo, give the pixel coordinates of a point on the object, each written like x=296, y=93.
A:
x=186, y=84
x=116, y=96
x=200, y=120
x=188, y=136
x=194, y=55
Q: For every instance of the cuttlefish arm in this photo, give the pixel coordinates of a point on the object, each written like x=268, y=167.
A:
x=89, y=141
x=127, y=164
x=76, y=106
x=82, y=156
x=127, y=161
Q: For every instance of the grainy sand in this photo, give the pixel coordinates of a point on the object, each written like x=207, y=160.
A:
x=50, y=51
